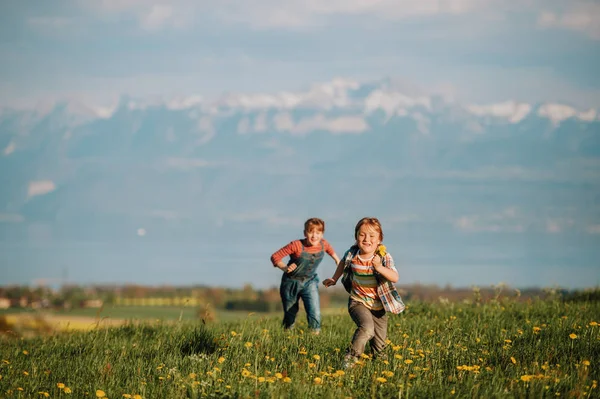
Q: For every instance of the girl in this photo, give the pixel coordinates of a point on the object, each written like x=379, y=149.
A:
x=371, y=292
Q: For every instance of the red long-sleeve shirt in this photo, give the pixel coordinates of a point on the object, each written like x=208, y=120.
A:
x=294, y=250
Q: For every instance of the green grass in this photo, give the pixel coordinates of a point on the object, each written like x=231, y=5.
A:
x=497, y=350
x=150, y=313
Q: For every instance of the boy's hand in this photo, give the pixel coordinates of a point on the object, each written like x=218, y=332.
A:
x=329, y=282
x=290, y=268
x=377, y=262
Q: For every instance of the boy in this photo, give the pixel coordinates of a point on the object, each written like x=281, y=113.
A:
x=300, y=280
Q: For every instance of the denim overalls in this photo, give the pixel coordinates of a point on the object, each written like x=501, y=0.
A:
x=303, y=283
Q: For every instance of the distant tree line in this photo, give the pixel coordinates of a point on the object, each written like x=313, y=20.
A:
x=249, y=298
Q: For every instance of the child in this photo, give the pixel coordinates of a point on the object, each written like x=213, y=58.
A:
x=371, y=275
x=300, y=280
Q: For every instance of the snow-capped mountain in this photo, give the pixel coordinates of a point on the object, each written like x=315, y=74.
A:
x=224, y=167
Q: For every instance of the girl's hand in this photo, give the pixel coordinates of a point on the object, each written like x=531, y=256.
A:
x=291, y=267
x=329, y=282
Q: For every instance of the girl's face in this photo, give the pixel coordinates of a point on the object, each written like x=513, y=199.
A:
x=367, y=239
x=314, y=236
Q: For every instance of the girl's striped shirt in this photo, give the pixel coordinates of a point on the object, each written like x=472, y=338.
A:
x=294, y=250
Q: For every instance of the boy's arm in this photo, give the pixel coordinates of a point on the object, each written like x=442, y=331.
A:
x=336, y=275
x=388, y=271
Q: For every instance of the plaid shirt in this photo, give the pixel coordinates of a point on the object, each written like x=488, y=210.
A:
x=386, y=291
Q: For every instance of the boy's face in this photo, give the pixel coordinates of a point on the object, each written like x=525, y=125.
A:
x=313, y=236
x=367, y=239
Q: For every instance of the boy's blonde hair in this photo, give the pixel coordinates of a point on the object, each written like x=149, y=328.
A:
x=314, y=222
x=372, y=222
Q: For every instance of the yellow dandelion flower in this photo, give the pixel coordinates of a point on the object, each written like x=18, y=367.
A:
x=247, y=365
x=25, y=373
x=25, y=352
x=388, y=373
x=137, y=396
x=5, y=361
x=311, y=365
x=398, y=356
x=452, y=392
x=278, y=376
x=573, y=336
x=508, y=341
x=261, y=379
x=526, y=378
x=44, y=394
x=19, y=389
x=302, y=351
x=126, y=395
x=248, y=344
x=381, y=250
x=381, y=380
x=233, y=333
x=246, y=373
x=586, y=362
x=287, y=379
x=364, y=356
x=316, y=357
x=220, y=360
x=408, y=361
x=317, y=380
x=100, y=393
x=60, y=385
x=513, y=360
x=340, y=372
x=67, y=390
x=593, y=323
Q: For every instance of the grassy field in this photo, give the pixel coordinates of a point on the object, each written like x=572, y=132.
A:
x=504, y=349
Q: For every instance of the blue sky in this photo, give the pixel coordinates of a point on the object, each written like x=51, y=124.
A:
x=472, y=50
x=490, y=222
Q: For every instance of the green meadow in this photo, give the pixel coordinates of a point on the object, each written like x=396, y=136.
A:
x=502, y=348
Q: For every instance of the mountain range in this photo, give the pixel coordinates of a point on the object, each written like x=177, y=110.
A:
x=174, y=190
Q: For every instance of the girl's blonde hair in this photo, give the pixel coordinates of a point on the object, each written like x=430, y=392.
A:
x=372, y=222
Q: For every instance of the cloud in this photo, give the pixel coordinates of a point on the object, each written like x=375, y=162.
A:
x=581, y=17
x=510, y=110
x=186, y=163
x=40, y=187
x=10, y=148
x=343, y=124
x=291, y=14
x=156, y=17
x=11, y=218
x=508, y=220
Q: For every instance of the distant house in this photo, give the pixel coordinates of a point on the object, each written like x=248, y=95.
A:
x=93, y=303
x=4, y=303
